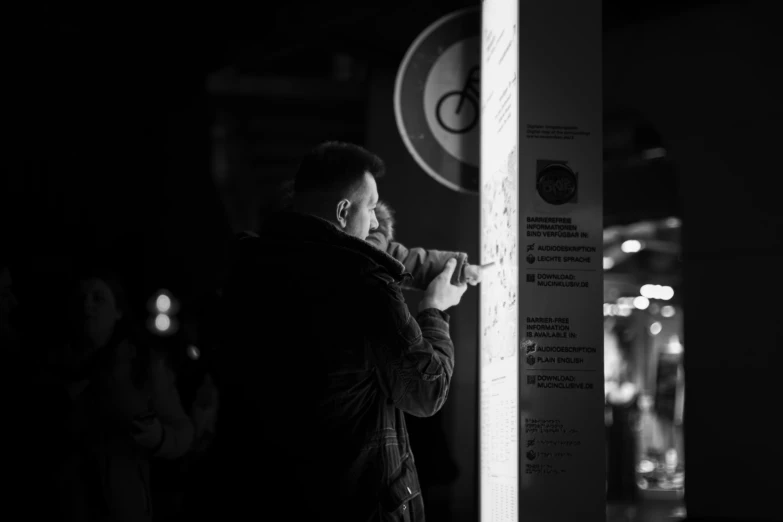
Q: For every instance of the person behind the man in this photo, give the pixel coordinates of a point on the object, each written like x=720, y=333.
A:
x=323, y=358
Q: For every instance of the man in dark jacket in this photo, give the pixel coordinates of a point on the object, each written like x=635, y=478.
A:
x=323, y=359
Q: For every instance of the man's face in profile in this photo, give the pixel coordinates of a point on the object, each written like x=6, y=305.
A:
x=360, y=218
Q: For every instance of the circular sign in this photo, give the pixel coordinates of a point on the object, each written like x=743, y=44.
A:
x=556, y=184
x=436, y=100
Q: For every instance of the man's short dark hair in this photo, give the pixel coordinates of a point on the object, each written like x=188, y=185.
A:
x=336, y=167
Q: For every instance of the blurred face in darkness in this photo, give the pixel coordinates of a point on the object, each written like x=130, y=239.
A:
x=96, y=311
x=356, y=213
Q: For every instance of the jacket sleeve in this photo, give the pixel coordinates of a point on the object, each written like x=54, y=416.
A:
x=425, y=265
x=178, y=429
x=413, y=358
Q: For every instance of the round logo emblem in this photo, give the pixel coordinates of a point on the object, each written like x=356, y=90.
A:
x=436, y=100
x=556, y=184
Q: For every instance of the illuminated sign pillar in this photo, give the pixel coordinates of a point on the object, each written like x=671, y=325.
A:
x=542, y=450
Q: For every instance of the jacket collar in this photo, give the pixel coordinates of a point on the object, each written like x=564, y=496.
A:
x=294, y=227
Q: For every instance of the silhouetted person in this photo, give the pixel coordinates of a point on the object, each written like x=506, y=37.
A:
x=123, y=409
x=323, y=358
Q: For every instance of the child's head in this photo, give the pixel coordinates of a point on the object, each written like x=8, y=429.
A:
x=385, y=216
x=385, y=231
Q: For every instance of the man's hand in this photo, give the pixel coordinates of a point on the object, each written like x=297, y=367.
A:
x=440, y=293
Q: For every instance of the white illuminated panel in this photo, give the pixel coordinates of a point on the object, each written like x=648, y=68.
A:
x=541, y=347
x=499, y=367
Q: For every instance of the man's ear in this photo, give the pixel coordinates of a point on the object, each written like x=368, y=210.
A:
x=342, y=212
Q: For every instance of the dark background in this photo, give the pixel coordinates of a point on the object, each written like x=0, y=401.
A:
x=114, y=119
x=110, y=114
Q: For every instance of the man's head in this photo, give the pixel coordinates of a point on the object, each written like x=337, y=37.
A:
x=336, y=181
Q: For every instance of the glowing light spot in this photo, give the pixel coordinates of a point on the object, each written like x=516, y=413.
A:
x=163, y=303
x=673, y=222
x=674, y=346
x=641, y=302
x=646, y=466
x=656, y=328
x=162, y=322
x=630, y=246
x=657, y=292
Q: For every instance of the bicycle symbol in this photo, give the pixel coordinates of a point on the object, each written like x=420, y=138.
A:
x=469, y=92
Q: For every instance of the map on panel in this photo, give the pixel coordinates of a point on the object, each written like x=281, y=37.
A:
x=499, y=232
x=499, y=289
